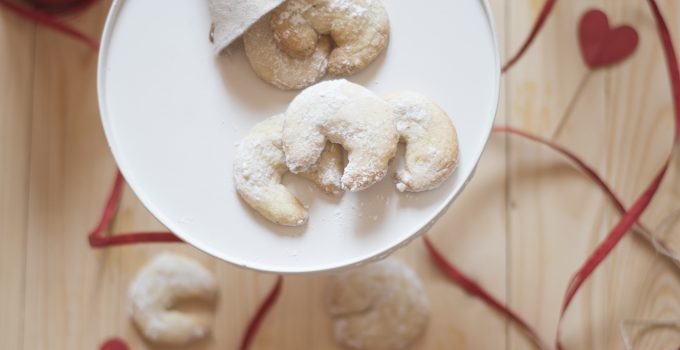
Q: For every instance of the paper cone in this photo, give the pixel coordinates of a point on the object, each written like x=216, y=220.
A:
x=231, y=18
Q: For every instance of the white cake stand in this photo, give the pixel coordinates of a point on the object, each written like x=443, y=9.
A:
x=173, y=113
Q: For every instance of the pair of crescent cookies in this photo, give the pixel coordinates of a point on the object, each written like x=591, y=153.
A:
x=381, y=306
x=306, y=140
x=297, y=43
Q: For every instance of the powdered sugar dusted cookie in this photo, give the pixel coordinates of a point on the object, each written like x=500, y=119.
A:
x=380, y=306
x=431, y=141
x=359, y=28
x=260, y=164
x=346, y=114
x=275, y=66
x=158, y=286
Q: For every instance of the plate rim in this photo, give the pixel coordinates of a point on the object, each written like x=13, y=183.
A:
x=107, y=34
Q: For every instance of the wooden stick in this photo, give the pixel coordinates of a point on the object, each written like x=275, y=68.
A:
x=572, y=103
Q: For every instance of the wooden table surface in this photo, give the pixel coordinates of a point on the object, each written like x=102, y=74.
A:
x=521, y=228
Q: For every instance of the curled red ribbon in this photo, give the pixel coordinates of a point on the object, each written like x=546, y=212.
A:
x=97, y=237
x=630, y=216
x=50, y=21
x=262, y=311
x=538, y=25
x=61, y=6
x=476, y=290
x=633, y=214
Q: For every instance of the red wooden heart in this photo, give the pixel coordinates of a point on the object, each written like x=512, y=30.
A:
x=602, y=45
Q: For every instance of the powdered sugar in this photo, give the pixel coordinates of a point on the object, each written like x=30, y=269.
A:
x=409, y=118
x=295, y=10
x=363, y=127
x=350, y=7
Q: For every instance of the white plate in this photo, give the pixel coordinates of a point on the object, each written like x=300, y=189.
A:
x=173, y=113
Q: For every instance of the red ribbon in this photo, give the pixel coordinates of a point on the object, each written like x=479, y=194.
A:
x=474, y=289
x=61, y=6
x=592, y=174
x=97, y=237
x=538, y=25
x=631, y=216
x=262, y=311
x=50, y=21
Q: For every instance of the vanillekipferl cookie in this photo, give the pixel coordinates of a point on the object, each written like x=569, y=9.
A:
x=359, y=28
x=291, y=47
x=347, y=114
x=431, y=141
x=276, y=67
x=164, y=281
x=260, y=165
x=380, y=306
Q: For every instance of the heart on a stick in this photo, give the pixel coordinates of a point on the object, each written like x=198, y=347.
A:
x=602, y=45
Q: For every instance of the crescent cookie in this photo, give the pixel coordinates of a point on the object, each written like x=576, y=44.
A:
x=165, y=280
x=359, y=28
x=275, y=66
x=430, y=138
x=347, y=114
x=260, y=164
x=380, y=306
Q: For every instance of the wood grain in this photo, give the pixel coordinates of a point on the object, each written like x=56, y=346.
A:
x=521, y=227
x=16, y=80
x=68, y=293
